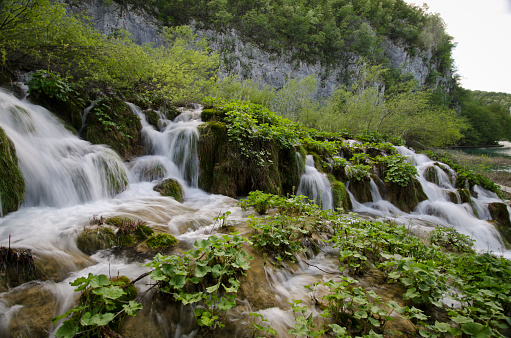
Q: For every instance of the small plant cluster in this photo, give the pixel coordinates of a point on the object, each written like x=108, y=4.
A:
x=103, y=303
x=50, y=84
x=206, y=277
x=292, y=204
x=398, y=169
x=430, y=274
x=451, y=240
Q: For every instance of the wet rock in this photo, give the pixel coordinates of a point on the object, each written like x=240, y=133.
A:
x=12, y=184
x=30, y=309
x=361, y=190
x=94, y=239
x=500, y=214
x=405, y=198
x=171, y=188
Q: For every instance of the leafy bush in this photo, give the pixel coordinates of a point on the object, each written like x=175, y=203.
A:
x=450, y=239
x=102, y=302
x=206, y=276
x=398, y=169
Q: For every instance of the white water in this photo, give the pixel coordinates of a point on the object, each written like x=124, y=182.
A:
x=315, y=185
x=438, y=208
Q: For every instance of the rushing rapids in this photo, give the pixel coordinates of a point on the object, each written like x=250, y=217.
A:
x=69, y=181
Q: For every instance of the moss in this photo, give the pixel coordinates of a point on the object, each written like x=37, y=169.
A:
x=171, y=113
x=361, y=190
x=94, y=239
x=500, y=214
x=170, y=187
x=143, y=232
x=453, y=197
x=152, y=118
x=161, y=241
x=210, y=114
x=131, y=290
x=405, y=198
x=112, y=122
x=464, y=196
x=340, y=195
x=12, y=184
x=431, y=175
x=116, y=221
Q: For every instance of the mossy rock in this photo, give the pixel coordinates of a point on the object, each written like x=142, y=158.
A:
x=500, y=214
x=210, y=114
x=12, y=184
x=361, y=190
x=131, y=290
x=117, y=221
x=171, y=188
x=453, y=197
x=152, y=118
x=340, y=196
x=160, y=240
x=224, y=170
x=171, y=113
x=431, y=175
x=464, y=196
x=94, y=239
x=112, y=122
x=405, y=198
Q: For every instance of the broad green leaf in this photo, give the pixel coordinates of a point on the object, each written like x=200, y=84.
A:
x=178, y=281
x=132, y=307
x=111, y=292
x=476, y=330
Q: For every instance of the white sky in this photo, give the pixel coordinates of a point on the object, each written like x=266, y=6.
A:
x=482, y=31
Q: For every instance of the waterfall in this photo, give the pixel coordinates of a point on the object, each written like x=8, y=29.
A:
x=171, y=152
x=59, y=169
x=315, y=185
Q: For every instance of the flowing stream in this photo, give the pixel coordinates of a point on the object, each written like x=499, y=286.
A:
x=70, y=181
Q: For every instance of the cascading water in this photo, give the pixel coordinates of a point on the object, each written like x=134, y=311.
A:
x=172, y=152
x=66, y=179
x=59, y=169
x=439, y=209
x=315, y=185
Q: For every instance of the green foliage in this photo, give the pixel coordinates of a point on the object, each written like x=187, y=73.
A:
x=206, y=277
x=49, y=84
x=398, y=169
x=41, y=35
x=290, y=205
x=354, y=308
x=324, y=30
x=451, y=240
x=489, y=98
x=102, y=302
x=489, y=123
x=278, y=236
x=358, y=172
x=161, y=241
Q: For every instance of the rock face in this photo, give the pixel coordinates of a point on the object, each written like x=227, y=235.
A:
x=246, y=60
x=109, y=17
